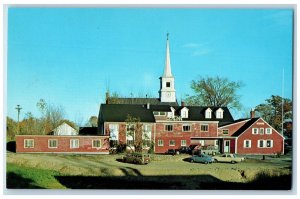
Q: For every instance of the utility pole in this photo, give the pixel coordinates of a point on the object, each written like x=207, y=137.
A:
x=18, y=109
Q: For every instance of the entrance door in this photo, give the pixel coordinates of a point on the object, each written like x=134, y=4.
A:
x=226, y=146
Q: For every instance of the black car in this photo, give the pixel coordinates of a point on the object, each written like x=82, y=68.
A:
x=184, y=149
x=172, y=151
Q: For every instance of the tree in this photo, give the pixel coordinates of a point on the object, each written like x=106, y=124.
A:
x=134, y=130
x=93, y=121
x=271, y=111
x=11, y=128
x=215, y=91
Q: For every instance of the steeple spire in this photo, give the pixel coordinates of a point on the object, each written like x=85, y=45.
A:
x=167, y=71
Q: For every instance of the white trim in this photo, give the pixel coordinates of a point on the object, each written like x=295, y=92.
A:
x=226, y=130
x=24, y=146
x=160, y=144
x=271, y=127
x=266, y=130
x=71, y=143
x=49, y=143
x=186, y=125
x=95, y=147
x=249, y=143
x=257, y=130
x=234, y=123
x=263, y=131
x=165, y=125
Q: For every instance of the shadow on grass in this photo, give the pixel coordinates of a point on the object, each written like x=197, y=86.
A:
x=15, y=181
x=11, y=146
x=183, y=182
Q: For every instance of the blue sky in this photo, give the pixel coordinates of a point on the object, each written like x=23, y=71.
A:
x=70, y=57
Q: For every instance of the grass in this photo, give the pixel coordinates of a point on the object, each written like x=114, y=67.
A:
x=19, y=177
x=60, y=171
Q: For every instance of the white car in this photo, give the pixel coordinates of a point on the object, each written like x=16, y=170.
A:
x=229, y=158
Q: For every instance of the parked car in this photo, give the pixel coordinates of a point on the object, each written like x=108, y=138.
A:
x=232, y=158
x=184, y=149
x=203, y=158
x=172, y=151
x=137, y=158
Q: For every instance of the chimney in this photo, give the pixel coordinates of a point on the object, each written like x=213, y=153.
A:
x=107, y=97
x=182, y=103
x=252, y=113
x=148, y=105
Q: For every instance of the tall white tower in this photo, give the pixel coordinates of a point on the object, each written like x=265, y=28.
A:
x=167, y=87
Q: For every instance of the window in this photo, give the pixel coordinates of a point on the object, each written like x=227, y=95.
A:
x=168, y=84
x=219, y=113
x=261, y=131
x=160, y=143
x=204, y=127
x=225, y=131
x=216, y=142
x=269, y=143
x=28, y=143
x=169, y=127
x=172, y=143
x=268, y=131
x=96, y=144
x=74, y=143
x=146, y=132
x=52, y=143
x=208, y=113
x=186, y=127
x=130, y=134
x=183, y=142
x=114, y=131
x=159, y=113
x=184, y=112
x=247, y=143
x=255, y=131
x=260, y=143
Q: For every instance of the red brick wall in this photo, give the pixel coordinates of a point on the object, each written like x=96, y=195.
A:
x=247, y=135
x=41, y=144
x=231, y=128
x=177, y=134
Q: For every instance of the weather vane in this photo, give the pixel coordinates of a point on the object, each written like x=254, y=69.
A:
x=168, y=36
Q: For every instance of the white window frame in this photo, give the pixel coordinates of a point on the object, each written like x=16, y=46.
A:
x=249, y=144
x=253, y=131
x=169, y=125
x=204, y=125
x=271, y=143
x=270, y=129
x=51, y=147
x=130, y=138
x=26, y=146
x=258, y=143
x=113, y=130
x=183, y=143
x=147, y=131
x=172, y=144
x=219, y=113
x=261, y=131
x=187, y=125
x=208, y=113
x=74, y=141
x=93, y=145
x=160, y=143
x=184, y=112
x=217, y=142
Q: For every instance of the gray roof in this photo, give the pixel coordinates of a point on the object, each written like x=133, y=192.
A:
x=119, y=112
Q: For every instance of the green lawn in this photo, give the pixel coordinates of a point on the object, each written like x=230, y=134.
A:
x=19, y=177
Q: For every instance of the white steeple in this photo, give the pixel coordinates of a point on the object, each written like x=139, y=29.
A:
x=167, y=87
x=167, y=71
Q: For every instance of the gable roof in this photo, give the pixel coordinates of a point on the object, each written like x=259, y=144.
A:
x=234, y=122
x=245, y=126
x=119, y=112
x=141, y=101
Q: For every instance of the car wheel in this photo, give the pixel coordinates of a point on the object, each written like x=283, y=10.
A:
x=216, y=160
x=233, y=162
x=192, y=161
x=177, y=152
x=206, y=162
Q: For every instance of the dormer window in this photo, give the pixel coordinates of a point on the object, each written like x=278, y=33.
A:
x=184, y=113
x=219, y=113
x=208, y=113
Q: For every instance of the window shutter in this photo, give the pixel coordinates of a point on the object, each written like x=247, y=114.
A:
x=249, y=143
x=271, y=143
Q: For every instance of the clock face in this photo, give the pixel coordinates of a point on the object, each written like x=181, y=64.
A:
x=168, y=94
